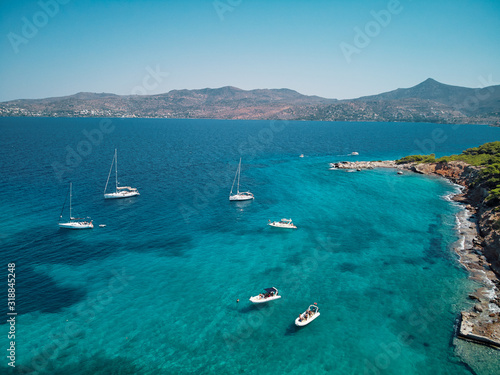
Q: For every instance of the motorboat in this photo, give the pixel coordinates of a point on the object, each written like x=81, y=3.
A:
x=283, y=223
x=301, y=155
x=102, y=225
x=269, y=294
x=308, y=316
x=239, y=196
x=354, y=153
x=120, y=191
x=74, y=222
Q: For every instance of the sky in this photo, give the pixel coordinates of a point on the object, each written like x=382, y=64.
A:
x=335, y=49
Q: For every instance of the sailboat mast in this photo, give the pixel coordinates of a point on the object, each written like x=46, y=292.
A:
x=116, y=171
x=239, y=171
x=70, y=194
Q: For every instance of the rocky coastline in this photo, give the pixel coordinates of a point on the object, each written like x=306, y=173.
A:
x=479, y=249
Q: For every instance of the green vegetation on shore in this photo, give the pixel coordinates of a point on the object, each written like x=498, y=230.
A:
x=417, y=159
x=486, y=156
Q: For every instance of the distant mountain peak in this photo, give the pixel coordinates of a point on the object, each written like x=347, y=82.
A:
x=430, y=83
x=430, y=80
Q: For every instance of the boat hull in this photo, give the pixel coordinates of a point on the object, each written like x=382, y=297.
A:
x=257, y=299
x=121, y=194
x=284, y=226
x=306, y=322
x=76, y=225
x=240, y=197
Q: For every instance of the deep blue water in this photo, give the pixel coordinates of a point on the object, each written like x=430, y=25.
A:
x=155, y=290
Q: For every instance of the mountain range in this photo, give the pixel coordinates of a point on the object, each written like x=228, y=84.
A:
x=429, y=101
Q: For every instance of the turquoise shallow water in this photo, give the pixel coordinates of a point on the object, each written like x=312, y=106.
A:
x=155, y=291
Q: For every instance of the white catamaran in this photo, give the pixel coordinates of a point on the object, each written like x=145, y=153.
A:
x=239, y=196
x=74, y=222
x=120, y=191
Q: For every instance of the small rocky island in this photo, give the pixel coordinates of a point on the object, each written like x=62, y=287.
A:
x=477, y=170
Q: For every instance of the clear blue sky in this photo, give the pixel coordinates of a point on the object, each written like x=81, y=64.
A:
x=107, y=46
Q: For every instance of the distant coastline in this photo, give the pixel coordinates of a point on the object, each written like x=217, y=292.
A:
x=428, y=102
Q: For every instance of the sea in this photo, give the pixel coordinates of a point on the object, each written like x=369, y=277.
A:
x=164, y=287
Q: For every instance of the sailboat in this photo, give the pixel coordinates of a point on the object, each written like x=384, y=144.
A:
x=239, y=196
x=120, y=191
x=73, y=222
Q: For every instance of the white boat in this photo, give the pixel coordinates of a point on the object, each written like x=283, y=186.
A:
x=301, y=155
x=308, y=316
x=74, y=222
x=269, y=294
x=239, y=196
x=102, y=225
x=354, y=153
x=400, y=172
x=120, y=191
x=283, y=223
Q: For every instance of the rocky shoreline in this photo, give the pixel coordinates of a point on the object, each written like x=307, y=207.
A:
x=479, y=244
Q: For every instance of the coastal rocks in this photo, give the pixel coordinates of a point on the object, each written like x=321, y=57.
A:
x=455, y=170
x=423, y=168
x=488, y=222
x=478, y=307
x=458, y=172
x=360, y=165
x=474, y=328
x=472, y=296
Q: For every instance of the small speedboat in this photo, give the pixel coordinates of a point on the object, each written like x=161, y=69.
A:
x=354, y=153
x=400, y=172
x=301, y=156
x=268, y=295
x=283, y=223
x=102, y=225
x=308, y=316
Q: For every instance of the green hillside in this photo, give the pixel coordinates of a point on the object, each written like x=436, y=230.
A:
x=486, y=156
